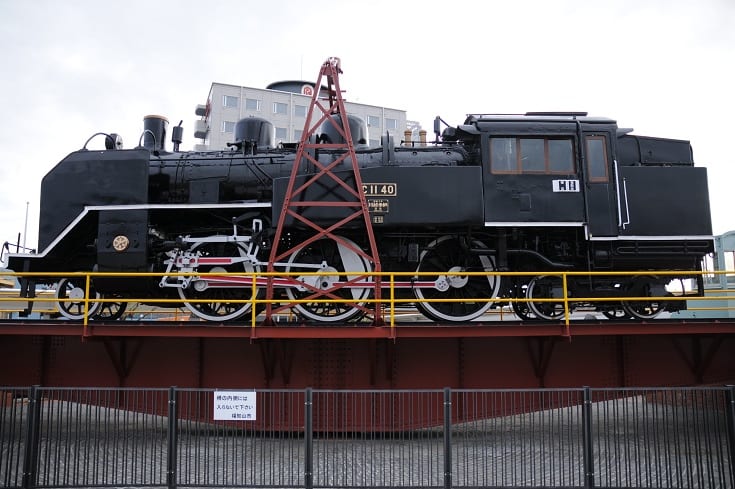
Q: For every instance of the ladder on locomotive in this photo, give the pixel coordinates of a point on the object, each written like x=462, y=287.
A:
x=295, y=204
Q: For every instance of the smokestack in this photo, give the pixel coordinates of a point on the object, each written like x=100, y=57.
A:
x=154, y=132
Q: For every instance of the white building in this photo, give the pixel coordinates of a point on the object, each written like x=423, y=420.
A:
x=285, y=104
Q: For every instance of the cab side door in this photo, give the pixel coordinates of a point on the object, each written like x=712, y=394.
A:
x=599, y=175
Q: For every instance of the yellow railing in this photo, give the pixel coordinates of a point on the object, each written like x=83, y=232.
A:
x=388, y=300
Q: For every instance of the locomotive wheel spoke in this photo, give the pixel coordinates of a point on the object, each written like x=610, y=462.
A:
x=522, y=309
x=446, y=257
x=110, y=311
x=546, y=287
x=616, y=313
x=214, y=303
x=74, y=288
x=339, y=258
x=644, y=309
x=643, y=286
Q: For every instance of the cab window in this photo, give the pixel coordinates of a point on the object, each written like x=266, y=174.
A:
x=503, y=156
x=532, y=155
x=596, y=159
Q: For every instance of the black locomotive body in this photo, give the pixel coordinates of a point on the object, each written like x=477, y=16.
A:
x=542, y=192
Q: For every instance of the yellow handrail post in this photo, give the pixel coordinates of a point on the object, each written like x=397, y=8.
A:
x=253, y=302
x=87, y=280
x=566, y=303
x=392, y=303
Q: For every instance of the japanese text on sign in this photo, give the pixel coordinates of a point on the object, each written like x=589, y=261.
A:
x=234, y=406
x=377, y=205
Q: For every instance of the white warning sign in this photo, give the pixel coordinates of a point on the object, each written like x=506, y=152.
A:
x=234, y=405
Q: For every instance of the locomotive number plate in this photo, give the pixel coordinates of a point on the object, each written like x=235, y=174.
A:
x=380, y=189
x=378, y=205
x=565, y=185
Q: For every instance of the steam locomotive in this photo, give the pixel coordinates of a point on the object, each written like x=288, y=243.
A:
x=537, y=192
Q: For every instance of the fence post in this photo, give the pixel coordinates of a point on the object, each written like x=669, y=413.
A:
x=33, y=437
x=589, y=465
x=730, y=416
x=308, y=440
x=447, y=438
x=173, y=427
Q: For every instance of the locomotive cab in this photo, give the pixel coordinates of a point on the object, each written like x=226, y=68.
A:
x=559, y=176
x=534, y=176
x=565, y=171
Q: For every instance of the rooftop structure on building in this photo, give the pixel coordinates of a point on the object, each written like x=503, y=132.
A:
x=285, y=105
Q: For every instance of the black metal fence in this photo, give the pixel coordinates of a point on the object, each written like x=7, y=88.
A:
x=72, y=437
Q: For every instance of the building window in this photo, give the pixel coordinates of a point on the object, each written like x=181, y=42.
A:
x=230, y=101
x=596, y=159
x=228, y=126
x=280, y=108
x=297, y=133
x=391, y=123
x=299, y=110
x=373, y=121
x=531, y=155
x=252, y=104
x=281, y=134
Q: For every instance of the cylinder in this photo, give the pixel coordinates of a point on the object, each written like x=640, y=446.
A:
x=154, y=132
x=407, y=137
x=422, y=137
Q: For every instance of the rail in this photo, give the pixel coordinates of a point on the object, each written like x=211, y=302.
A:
x=306, y=438
x=716, y=300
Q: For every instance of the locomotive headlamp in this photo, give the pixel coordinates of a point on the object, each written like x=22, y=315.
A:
x=120, y=243
x=113, y=141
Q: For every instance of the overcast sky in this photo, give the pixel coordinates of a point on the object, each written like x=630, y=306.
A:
x=73, y=68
